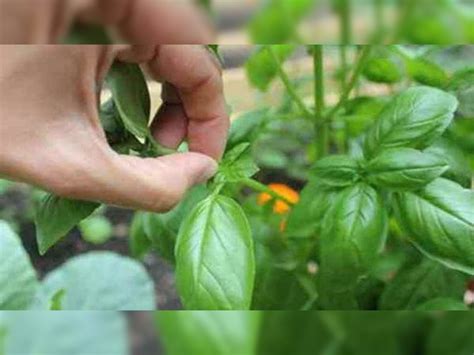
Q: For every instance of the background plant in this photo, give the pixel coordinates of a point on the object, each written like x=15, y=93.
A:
x=384, y=218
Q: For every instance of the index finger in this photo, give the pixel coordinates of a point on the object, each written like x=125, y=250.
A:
x=195, y=74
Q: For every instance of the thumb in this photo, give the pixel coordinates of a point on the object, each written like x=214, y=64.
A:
x=152, y=184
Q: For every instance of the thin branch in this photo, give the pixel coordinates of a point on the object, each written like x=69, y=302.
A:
x=350, y=86
x=258, y=186
x=289, y=87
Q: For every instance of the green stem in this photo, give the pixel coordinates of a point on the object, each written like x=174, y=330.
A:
x=289, y=87
x=258, y=186
x=343, y=58
x=346, y=21
x=318, y=63
x=379, y=20
x=348, y=89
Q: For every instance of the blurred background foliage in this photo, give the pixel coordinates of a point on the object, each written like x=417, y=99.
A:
x=231, y=333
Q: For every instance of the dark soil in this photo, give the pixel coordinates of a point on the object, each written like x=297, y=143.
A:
x=15, y=206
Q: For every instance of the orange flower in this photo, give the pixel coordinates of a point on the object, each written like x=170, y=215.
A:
x=279, y=207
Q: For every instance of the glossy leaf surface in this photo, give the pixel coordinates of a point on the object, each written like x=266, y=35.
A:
x=215, y=265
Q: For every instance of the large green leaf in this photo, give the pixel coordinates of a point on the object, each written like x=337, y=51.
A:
x=452, y=334
x=72, y=333
x=56, y=216
x=336, y=171
x=131, y=97
x=18, y=281
x=210, y=333
x=98, y=281
x=414, y=118
x=461, y=86
x=215, y=265
x=354, y=232
x=404, y=168
x=261, y=67
x=439, y=220
x=419, y=281
x=306, y=216
x=454, y=157
x=278, y=20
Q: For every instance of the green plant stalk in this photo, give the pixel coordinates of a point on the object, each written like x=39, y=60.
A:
x=258, y=186
x=345, y=18
x=323, y=139
x=379, y=19
x=289, y=87
x=353, y=81
x=343, y=59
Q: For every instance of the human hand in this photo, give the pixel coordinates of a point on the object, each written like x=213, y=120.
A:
x=51, y=137
x=137, y=21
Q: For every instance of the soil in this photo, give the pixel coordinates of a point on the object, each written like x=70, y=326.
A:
x=14, y=206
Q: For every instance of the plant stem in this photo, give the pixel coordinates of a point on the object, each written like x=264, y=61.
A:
x=343, y=59
x=355, y=76
x=346, y=22
x=323, y=139
x=258, y=186
x=289, y=87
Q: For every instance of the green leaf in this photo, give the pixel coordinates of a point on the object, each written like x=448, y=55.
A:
x=261, y=67
x=131, y=97
x=277, y=286
x=414, y=118
x=215, y=266
x=427, y=72
x=56, y=216
x=461, y=86
x=162, y=229
x=57, y=300
x=278, y=20
x=99, y=281
x=306, y=217
x=237, y=165
x=245, y=126
x=354, y=233
x=336, y=171
x=452, y=334
x=210, y=333
x=442, y=304
x=18, y=281
x=382, y=70
x=309, y=333
x=404, y=168
x=139, y=242
x=371, y=333
x=419, y=281
x=72, y=333
x=439, y=220
x=96, y=229
x=454, y=157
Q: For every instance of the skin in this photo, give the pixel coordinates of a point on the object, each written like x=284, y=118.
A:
x=50, y=134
